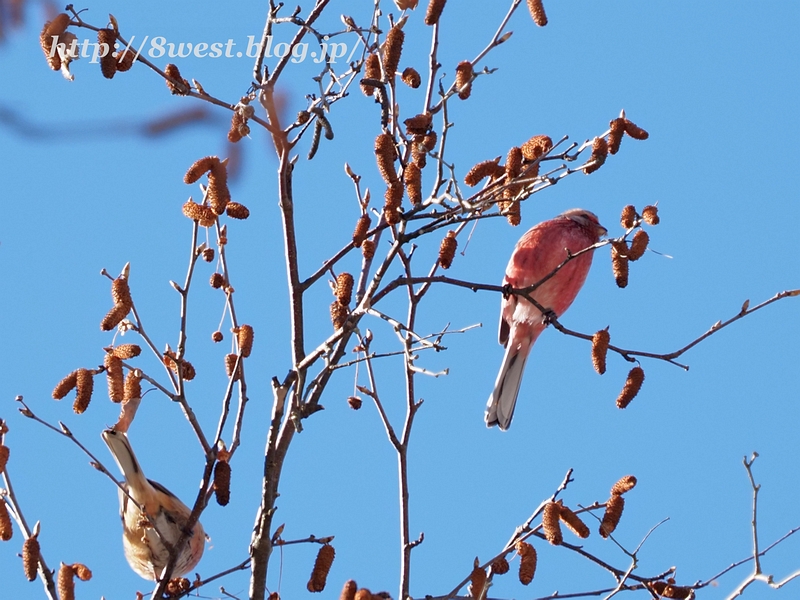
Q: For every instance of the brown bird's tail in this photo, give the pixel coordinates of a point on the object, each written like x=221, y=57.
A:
x=122, y=452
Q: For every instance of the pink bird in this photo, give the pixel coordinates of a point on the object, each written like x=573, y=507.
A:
x=536, y=255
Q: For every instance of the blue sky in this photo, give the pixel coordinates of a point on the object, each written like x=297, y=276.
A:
x=716, y=89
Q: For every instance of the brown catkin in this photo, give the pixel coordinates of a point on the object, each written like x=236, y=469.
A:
x=573, y=522
x=235, y=210
x=477, y=581
x=177, y=586
x=635, y=131
x=85, y=384
x=537, y=12
x=125, y=59
x=536, y=147
x=385, y=155
x=6, y=530
x=322, y=566
x=632, y=386
x=121, y=292
x=412, y=178
x=513, y=163
x=429, y=141
x=360, y=232
x=617, y=127
x=349, y=590
x=626, y=484
x=364, y=594
x=244, y=337
x=464, y=73
x=217, y=280
x=230, y=365
x=30, y=557
x=126, y=351
x=199, y=212
x=65, y=386
x=108, y=63
x=628, y=216
x=513, y=213
x=217, y=337
x=368, y=249
x=53, y=29
x=419, y=124
x=66, y=583
x=435, y=8
x=550, y=524
x=344, y=288
x=372, y=70
x=339, y=314
x=235, y=131
x=619, y=263
x=600, y=349
x=222, y=482
x=392, y=210
x=611, y=517
x=650, y=215
x=172, y=72
x=527, y=562
x=218, y=194
x=114, y=377
x=199, y=168
x=667, y=589
x=133, y=385
x=484, y=169
x=354, y=402
x=500, y=565
x=113, y=317
x=4, y=453
x=208, y=254
x=447, y=250
x=638, y=245
x=392, y=49
x=83, y=572
x=411, y=77
x=599, y=154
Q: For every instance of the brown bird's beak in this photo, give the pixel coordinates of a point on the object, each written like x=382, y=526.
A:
x=601, y=231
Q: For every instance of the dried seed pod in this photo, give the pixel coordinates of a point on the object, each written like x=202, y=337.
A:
x=418, y=124
x=360, y=232
x=6, y=530
x=235, y=131
x=121, y=292
x=31, y=552
x=650, y=215
x=527, y=562
x=628, y=216
x=133, y=385
x=201, y=213
x=108, y=64
x=172, y=72
x=372, y=70
x=218, y=195
x=392, y=210
x=573, y=522
x=177, y=586
x=513, y=213
x=322, y=566
x=435, y=8
x=368, y=249
x=419, y=155
x=599, y=154
x=230, y=365
x=199, y=168
x=84, y=385
x=632, y=386
x=126, y=351
x=617, y=127
x=464, y=73
x=429, y=141
x=217, y=280
x=344, y=288
x=65, y=386
x=477, y=581
x=217, y=336
x=500, y=565
x=600, y=349
x=349, y=590
x=412, y=178
x=513, y=163
x=66, y=583
x=447, y=250
x=113, y=317
x=550, y=524
x=83, y=572
x=339, y=314
x=626, y=484
x=536, y=147
x=4, y=453
x=125, y=59
x=222, y=482
x=237, y=211
x=611, y=517
x=392, y=49
x=638, y=245
x=484, y=169
x=354, y=402
x=385, y=155
x=635, y=131
x=619, y=263
x=208, y=254
x=244, y=337
x=114, y=377
x=411, y=78
x=537, y=12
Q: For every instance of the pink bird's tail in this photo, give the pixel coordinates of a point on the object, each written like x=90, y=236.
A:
x=500, y=408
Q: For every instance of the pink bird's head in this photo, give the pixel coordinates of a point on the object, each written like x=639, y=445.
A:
x=587, y=220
